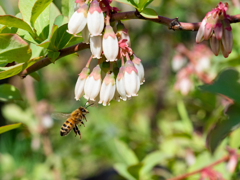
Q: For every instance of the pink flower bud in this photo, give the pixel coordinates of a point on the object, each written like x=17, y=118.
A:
x=131, y=79
x=201, y=30
x=93, y=84
x=137, y=63
x=78, y=20
x=215, y=44
x=123, y=33
x=79, y=87
x=107, y=89
x=227, y=39
x=95, y=19
x=120, y=84
x=110, y=44
x=96, y=46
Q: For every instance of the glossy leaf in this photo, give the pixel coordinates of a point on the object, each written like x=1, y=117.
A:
x=13, y=48
x=49, y=43
x=9, y=93
x=12, y=21
x=14, y=70
x=53, y=55
x=142, y=4
x=149, y=13
x=227, y=84
x=128, y=2
x=25, y=8
x=224, y=127
x=9, y=127
x=37, y=9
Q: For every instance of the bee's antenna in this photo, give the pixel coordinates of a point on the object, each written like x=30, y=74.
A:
x=89, y=105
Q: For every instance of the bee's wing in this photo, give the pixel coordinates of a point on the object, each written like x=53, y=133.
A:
x=60, y=116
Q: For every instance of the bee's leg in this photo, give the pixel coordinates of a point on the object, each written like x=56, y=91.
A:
x=75, y=130
x=85, y=118
x=78, y=132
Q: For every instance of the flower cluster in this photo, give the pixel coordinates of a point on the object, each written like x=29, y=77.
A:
x=120, y=81
x=187, y=63
x=216, y=27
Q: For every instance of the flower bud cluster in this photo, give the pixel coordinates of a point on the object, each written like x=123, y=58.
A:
x=191, y=63
x=120, y=81
x=216, y=27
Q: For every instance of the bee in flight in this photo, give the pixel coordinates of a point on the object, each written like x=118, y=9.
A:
x=73, y=119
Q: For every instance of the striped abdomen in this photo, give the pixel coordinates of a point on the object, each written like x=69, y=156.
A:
x=67, y=127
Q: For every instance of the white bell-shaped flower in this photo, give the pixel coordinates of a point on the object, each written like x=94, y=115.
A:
x=107, y=89
x=78, y=20
x=137, y=63
x=93, y=84
x=120, y=84
x=110, y=44
x=95, y=19
x=131, y=79
x=96, y=46
x=79, y=87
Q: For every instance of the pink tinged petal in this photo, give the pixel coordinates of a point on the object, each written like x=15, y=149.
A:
x=218, y=30
x=208, y=31
x=200, y=33
x=178, y=62
x=110, y=45
x=85, y=35
x=232, y=163
x=227, y=39
x=78, y=20
x=129, y=67
x=95, y=19
x=93, y=84
x=185, y=85
x=215, y=45
x=138, y=65
x=107, y=89
x=96, y=46
x=121, y=89
x=131, y=83
x=79, y=87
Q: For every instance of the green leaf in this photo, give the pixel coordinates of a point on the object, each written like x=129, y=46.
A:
x=149, y=13
x=9, y=127
x=49, y=43
x=65, y=7
x=11, y=30
x=54, y=13
x=63, y=37
x=227, y=84
x=25, y=8
x=35, y=76
x=12, y=21
x=224, y=127
x=150, y=161
x=2, y=12
x=53, y=55
x=71, y=9
x=134, y=170
x=14, y=70
x=128, y=2
x=13, y=48
x=37, y=9
x=125, y=153
x=143, y=4
x=9, y=93
x=122, y=170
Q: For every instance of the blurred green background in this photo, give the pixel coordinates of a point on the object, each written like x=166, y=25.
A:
x=160, y=132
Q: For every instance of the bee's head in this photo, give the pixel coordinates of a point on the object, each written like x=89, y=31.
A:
x=83, y=110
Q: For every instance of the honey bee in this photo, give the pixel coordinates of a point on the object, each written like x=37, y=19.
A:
x=73, y=119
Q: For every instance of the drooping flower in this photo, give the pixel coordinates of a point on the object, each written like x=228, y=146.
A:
x=78, y=20
x=131, y=79
x=122, y=33
x=93, y=84
x=95, y=19
x=110, y=44
x=96, y=46
x=178, y=62
x=107, y=89
x=137, y=63
x=79, y=87
x=120, y=84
